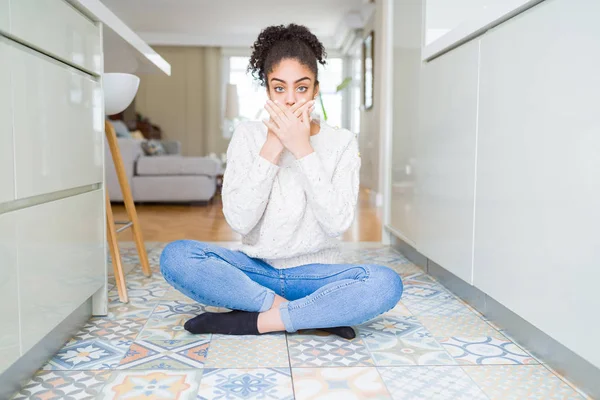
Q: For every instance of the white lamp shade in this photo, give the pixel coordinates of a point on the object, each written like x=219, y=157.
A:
x=119, y=91
x=232, y=107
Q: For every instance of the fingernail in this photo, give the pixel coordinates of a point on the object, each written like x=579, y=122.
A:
x=276, y=102
x=303, y=101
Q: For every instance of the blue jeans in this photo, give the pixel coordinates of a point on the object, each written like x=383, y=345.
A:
x=319, y=295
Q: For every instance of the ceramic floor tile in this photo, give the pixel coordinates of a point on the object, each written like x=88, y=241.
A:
x=339, y=383
x=397, y=341
x=127, y=268
x=400, y=310
x=56, y=385
x=460, y=325
x=485, y=350
x=110, y=329
x=94, y=354
x=174, y=294
x=421, y=287
x=119, y=311
x=425, y=383
x=248, y=352
x=234, y=384
x=443, y=305
x=406, y=270
x=150, y=294
x=320, y=349
x=508, y=382
x=166, y=354
x=171, y=328
x=382, y=256
x=172, y=308
x=155, y=385
x=139, y=281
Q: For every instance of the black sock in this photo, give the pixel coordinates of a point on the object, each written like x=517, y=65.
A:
x=229, y=323
x=343, y=331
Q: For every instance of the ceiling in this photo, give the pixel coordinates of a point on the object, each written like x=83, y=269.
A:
x=236, y=23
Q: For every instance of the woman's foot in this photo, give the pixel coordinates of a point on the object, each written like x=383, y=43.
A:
x=346, y=332
x=229, y=323
x=243, y=323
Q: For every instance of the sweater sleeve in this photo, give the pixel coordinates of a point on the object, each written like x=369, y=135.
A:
x=247, y=182
x=332, y=201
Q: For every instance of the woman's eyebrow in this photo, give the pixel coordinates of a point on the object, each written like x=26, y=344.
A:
x=282, y=81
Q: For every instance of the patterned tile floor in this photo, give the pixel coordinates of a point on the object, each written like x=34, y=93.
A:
x=430, y=346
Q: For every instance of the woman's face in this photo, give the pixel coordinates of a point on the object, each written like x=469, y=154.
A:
x=290, y=82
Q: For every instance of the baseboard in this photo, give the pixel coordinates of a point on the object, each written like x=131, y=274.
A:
x=23, y=369
x=565, y=362
x=409, y=252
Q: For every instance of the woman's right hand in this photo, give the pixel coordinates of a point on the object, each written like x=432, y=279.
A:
x=273, y=147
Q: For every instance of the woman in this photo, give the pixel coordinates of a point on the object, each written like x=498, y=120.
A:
x=290, y=189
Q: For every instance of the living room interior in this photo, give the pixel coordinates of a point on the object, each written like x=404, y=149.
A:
x=478, y=137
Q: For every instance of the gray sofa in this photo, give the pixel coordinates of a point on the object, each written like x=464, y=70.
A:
x=165, y=178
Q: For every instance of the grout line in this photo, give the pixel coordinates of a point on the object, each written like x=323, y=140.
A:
x=287, y=347
x=462, y=367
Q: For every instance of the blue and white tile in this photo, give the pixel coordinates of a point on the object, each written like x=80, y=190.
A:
x=169, y=328
x=425, y=383
x=519, y=382
x=262, y=351
x=110, y=330
x=153, y=384
x=96, y=354
x=172, y=308
x=320, y=349
x=459, y=325
x=397, y=341
x=421, y=287
x=55, y=385
x=174, y=294
x=443, y=305
x=485, y=351
x=256, y=383
x=166, y=354
x=119, y=311
x=381, y=256
x=139, y=294
x=339, y=383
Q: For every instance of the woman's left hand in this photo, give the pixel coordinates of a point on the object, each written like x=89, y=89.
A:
x=293, y=132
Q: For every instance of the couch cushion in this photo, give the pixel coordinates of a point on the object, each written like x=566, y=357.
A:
x=176, y=165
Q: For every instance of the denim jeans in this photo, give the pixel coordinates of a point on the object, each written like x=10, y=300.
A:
x=318, y=295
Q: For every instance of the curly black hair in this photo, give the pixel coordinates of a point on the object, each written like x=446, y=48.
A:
x=276, y=43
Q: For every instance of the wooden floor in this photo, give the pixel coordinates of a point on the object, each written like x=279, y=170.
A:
x=168, y=222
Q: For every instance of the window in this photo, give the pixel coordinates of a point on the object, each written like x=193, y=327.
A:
x=330, y=77
x=252, y=96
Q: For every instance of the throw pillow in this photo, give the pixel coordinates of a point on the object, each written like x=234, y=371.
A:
x=153, y=148
x=137, y=135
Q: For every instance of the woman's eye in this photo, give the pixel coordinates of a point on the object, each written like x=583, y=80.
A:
x=302, y=89
x=279, y=89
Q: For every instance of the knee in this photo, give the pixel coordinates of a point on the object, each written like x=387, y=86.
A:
x=173, y=257
x=388, y=285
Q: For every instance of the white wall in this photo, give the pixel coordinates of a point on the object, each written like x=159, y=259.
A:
x=500, y=171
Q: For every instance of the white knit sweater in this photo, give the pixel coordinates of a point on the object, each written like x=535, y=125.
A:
x=292, y=213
